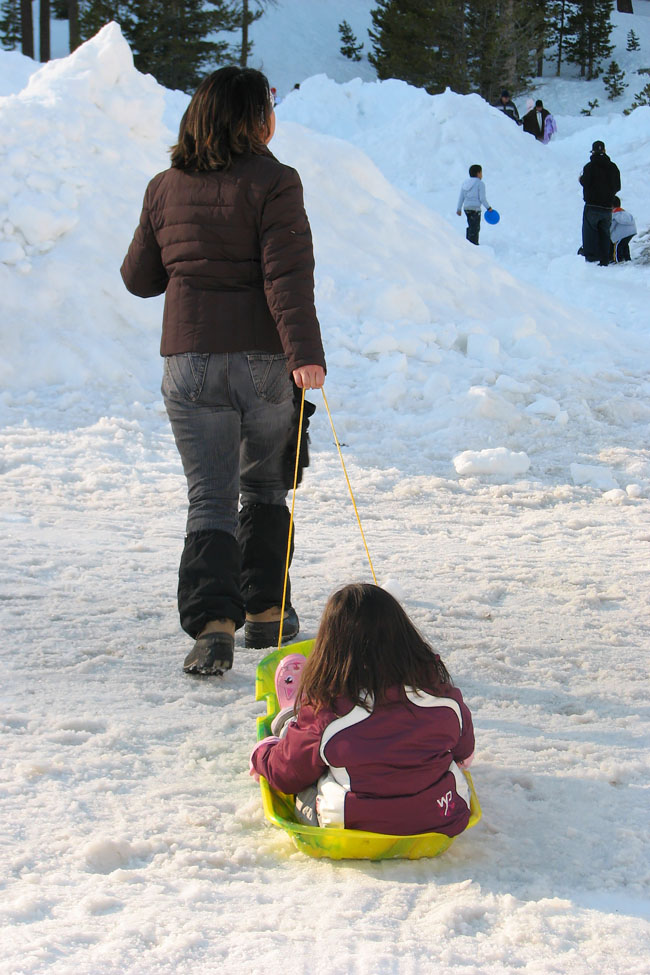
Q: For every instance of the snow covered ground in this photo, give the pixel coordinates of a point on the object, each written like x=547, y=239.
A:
x=494, y=404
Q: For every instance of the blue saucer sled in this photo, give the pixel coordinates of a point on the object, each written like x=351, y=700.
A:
x=337, y=844
x=492, y=216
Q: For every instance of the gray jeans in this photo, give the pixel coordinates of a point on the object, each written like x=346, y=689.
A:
x=230, y=415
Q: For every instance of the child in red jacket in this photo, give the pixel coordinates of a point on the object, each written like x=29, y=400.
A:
x=379, y=736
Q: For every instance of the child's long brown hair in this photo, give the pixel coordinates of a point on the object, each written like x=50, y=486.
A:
x=365, y=644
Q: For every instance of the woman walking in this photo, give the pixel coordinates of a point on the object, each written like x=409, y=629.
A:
x=224, y=234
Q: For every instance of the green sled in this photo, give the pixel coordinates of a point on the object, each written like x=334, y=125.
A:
x=337, y=844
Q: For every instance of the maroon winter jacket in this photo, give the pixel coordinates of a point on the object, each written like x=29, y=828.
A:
x=232, y=251
x=395, y=765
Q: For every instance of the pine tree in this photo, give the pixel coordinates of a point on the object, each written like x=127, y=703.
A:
x=94, y=14
x=632, y=41
x=557, y=28
x=539, y=11
x=640, y=99
x=421, y=42
x=169, y=38
x=590, y=26
x=349, y=46
x=246, y=12
x=591, y=106
x=613, y=81
x=501, y=39
x=10, y=33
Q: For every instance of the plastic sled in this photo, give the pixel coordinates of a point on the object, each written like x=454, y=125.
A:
x=337, y=844
x=492, y=216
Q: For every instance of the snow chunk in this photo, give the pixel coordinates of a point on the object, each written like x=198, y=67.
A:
x=495, y=460
x=545, y=406
x=481, y=346
x=395, y=588
x=509, y=385
x=104, y=854
x=593, y=476
x=634, y=491
x=11, y=252
x=617, y=496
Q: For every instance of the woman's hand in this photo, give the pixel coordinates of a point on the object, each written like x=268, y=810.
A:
x=309, y=377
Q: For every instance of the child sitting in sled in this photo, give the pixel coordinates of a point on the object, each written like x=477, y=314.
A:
x=371, y=733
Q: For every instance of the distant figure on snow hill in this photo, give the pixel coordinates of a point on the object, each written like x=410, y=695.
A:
x=508, y=107
x=600, y=181
x=539, y=122
x=622, y=231
x=471, y=197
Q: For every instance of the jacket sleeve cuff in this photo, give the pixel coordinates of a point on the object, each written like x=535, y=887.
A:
x=265, y=741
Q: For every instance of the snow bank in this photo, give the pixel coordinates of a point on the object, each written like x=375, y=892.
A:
x=80, y=142
x=448, y=341
x=134, y=838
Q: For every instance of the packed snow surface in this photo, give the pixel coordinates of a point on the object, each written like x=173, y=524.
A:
x=493, y=405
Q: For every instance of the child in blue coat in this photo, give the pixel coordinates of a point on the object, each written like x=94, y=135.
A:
x=471, y=198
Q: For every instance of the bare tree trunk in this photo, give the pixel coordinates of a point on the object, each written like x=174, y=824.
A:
x=541, y=40
x=44, y=30
x=27, y=28
x=560, y=40
x=243, y=57
x=510, y=65
x=73, y=24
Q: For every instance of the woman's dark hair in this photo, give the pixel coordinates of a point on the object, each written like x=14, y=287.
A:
x=365, y=644
x=475, y=169
x=229, y=113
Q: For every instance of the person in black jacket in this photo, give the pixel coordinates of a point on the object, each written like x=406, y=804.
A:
x=600, y=180
x=508, y=107
x=534, y=120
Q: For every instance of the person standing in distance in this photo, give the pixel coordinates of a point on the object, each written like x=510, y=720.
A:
x=600, y=180
x=534, y=121
x=224, y=234
x=508, y=107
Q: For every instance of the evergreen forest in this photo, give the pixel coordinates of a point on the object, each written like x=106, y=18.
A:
x=466, y=45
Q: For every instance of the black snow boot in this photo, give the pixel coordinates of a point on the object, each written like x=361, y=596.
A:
x=211, y=655
x=260, y=635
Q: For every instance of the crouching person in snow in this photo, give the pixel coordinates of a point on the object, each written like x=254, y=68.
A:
x=622, y=230
x=224, y=234
x=378, y=736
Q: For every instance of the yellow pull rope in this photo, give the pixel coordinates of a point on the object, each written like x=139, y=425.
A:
x=338, y=447
x=293, y=505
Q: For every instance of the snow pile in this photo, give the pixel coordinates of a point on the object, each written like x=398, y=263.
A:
x=460, y=353
x=79, y=143
x=493, y=409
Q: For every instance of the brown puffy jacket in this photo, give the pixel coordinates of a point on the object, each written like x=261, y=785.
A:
x=232, y=251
